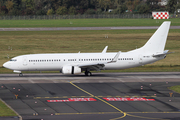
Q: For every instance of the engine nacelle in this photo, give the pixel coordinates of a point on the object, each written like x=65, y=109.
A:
x=71, y=70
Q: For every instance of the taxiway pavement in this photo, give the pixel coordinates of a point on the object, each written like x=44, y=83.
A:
x=133, y=96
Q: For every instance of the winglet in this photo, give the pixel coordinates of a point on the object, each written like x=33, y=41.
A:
x=116, y=57
x=105, y=49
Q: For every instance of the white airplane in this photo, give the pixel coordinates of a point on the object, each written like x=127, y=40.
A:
x=75, y=63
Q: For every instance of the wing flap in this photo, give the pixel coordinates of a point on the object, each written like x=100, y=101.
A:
x=93, y=66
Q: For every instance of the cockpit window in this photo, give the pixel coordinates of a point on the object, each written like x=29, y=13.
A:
x=13, y=60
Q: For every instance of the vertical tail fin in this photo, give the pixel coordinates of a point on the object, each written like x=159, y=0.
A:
x=156, y=43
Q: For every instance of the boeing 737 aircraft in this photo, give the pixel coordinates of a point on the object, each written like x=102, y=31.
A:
x=75, y=63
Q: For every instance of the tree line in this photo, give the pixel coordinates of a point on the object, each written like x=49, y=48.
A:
x=74, y=7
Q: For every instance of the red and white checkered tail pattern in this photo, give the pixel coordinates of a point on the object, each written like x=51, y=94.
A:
x=160, y=15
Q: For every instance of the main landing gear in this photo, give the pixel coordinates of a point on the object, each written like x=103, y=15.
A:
x=88, y=73
x=20, y=74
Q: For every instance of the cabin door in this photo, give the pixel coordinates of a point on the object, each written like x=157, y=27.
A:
x=140, y=59
x=24, y=60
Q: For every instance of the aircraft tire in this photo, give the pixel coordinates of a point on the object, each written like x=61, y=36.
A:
x=88, y=73
x=20, y=74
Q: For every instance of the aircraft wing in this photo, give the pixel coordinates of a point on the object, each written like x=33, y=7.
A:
x=162, y=54
x=99, y=65
x=93, y=66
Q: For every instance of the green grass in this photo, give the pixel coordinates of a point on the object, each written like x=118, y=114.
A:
x=5, y=111
x=31, y=42
x=175, y=88
x=84, y=23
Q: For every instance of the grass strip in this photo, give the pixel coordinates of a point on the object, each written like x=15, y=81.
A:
x=6, y=111
x=175, y=88
x=84, y=23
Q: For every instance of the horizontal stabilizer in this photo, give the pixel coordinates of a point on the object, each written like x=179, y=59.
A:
x=162, y=54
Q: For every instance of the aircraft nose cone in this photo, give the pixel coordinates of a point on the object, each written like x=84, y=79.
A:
x=6, y=65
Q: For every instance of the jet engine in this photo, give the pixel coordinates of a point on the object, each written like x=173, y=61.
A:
x=71, y=70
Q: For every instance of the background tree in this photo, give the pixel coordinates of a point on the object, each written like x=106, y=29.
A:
x=90, y=11
x=94, y=4
x=2, y=12
x=129, y=5
x=171, y=6
x=99, y=11
x=3, y=9
x=9, y=6
x=104, y=4
x=50, y=12
x=62, y=10
x=153, y=5
x=43, y=7
x=72, y=10
x=142, y=8
x=28, y=6
x=17, y=7
x=39, y=7
x=177, y=6
x=55, y=4
x=119, y=7
x=68, y=3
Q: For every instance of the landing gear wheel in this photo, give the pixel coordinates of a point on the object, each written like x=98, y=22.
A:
x=20, y=74
x=88, y=73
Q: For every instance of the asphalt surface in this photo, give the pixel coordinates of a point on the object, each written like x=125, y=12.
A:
x=34, y=90
x=83, y=28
